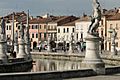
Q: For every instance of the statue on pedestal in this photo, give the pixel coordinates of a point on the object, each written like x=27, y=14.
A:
x=2, y=24
x=71, y=50
x=114, y=34
x=16, y=37
x=113, y=47
x=3, y=43
x=92, y=58
x=21, y=31
x=2, y=29
x=96, y=18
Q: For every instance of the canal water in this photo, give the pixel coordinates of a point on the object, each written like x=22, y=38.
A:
x=55, y=65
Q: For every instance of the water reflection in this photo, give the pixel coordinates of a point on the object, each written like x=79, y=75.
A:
x=55, y=65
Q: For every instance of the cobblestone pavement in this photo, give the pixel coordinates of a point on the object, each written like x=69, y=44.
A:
x=102, y=77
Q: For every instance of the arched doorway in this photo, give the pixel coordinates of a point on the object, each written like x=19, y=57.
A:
x=34, y=44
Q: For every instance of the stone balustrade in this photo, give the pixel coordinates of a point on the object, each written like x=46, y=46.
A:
x=108, y=59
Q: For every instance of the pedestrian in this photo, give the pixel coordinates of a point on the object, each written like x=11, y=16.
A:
x=40, y=47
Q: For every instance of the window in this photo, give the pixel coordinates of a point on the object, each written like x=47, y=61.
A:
x=32, y=35
x=73, y=30
x=77, y=36
x=45, y=26
x=40, y=35
x=58, y=30
x=32, y=26
x=63, y=30
x=36, y=35
x=36, y=27
x=67, y=30
x=102, y=32
x=9, y=27
x=81, y=35
x=44, y=35
x=48, y=27
x=40, y=26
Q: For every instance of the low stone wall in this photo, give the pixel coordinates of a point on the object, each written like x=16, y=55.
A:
x=16, y=65
x=55, y=75
x=112, y=70
x=47, y=75
x=57, y=56
x=111, y=60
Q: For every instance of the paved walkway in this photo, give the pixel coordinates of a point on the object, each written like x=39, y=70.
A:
x=102, y=77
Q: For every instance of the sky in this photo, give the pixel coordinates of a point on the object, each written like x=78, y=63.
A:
x=53, y=7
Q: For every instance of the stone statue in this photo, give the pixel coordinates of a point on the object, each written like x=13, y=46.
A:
x=96, y=18
x=21, y=31
x=26, y=34
x=2, y=24
x=114, y=34
x=16, y=37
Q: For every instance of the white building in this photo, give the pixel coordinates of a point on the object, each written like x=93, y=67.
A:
x=64, y=32
x=81, y=27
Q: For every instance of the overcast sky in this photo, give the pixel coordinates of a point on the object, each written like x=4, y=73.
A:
x=55, y=7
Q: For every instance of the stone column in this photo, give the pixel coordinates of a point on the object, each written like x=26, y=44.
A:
x=3, y=48
x=70, y=48
x=16, y=47
x=113, y=48
x=22, y=53
x=92, y=58
x=71, y=45
x=27, y=38
x=16, y=42
x=48, y=46
x=3, y=55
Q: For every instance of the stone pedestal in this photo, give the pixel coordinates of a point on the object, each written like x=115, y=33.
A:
x=48, y=48
x=113, y=49
x=71, y=49
x=92, y=58
x=48, y=42
x=22, y=53
x=16, y=47
x=27, y=50
x=3, y=55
